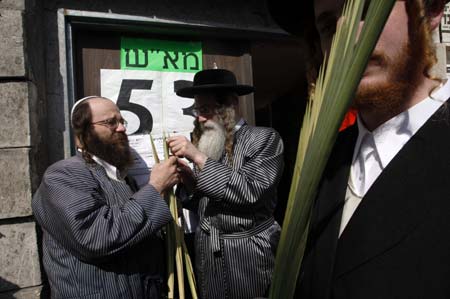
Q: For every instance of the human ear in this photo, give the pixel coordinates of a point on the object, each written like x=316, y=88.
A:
x=79, y=142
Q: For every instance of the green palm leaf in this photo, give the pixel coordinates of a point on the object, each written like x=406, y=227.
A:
x=335, y=89
x=176, y=247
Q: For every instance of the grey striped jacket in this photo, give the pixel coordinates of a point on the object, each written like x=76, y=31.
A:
x=100, y=238
x=237, y=237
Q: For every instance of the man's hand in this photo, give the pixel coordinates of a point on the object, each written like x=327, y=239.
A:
x=186, y=175
x=164, y=175
x=181, y=147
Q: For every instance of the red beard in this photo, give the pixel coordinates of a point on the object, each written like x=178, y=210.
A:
x=390, y=97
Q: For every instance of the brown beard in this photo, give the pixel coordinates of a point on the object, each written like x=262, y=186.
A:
x=114, y=150
x=391, y=97
x=388, y=98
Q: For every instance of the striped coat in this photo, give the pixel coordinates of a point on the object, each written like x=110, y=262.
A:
x=100, y=238
x=237, y=235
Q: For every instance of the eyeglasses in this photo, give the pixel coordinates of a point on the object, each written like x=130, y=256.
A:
x=205, y=110
x=111, y=123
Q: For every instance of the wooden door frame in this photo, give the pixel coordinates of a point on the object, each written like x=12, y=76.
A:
x=71, y=20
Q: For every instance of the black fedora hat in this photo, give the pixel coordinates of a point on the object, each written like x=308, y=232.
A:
x=214, y=80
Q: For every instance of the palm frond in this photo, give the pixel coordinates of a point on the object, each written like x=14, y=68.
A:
x=177, y=234
x=176, y=247
x=335, y=87
x=170, y=246
x=190, y=272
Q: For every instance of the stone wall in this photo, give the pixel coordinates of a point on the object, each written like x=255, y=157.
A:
x=21, y=161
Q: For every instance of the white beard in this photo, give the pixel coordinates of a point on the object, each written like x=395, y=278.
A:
x=212, y=140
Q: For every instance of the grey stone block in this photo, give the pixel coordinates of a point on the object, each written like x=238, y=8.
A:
x=28, y=293
x=15, y=183
x=12, y=62
x=14, y=114
x=19, y=257
x=13, y=4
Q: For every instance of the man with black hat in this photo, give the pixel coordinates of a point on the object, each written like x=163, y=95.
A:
x=380, y=224
x=101, y=234
x=237, y=168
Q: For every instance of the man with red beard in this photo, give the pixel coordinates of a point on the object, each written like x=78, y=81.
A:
x=380, y=223
x=237, y=168
x=101, y=235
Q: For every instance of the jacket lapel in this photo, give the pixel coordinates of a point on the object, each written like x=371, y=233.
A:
x=326, y=219
x=107, y=188
x=395, y=204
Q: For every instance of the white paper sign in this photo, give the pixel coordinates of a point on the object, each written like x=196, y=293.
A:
x=148, y=103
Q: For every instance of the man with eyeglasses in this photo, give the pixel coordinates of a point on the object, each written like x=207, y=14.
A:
x=101, y=235
x=237, y=168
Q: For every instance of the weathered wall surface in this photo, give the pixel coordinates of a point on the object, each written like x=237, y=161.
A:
x=21, y=150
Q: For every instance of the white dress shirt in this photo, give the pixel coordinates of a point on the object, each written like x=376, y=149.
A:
x=111, y=171
x=374, y=150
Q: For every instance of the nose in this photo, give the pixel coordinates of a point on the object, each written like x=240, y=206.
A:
x=121, y=128
x=202, y=118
